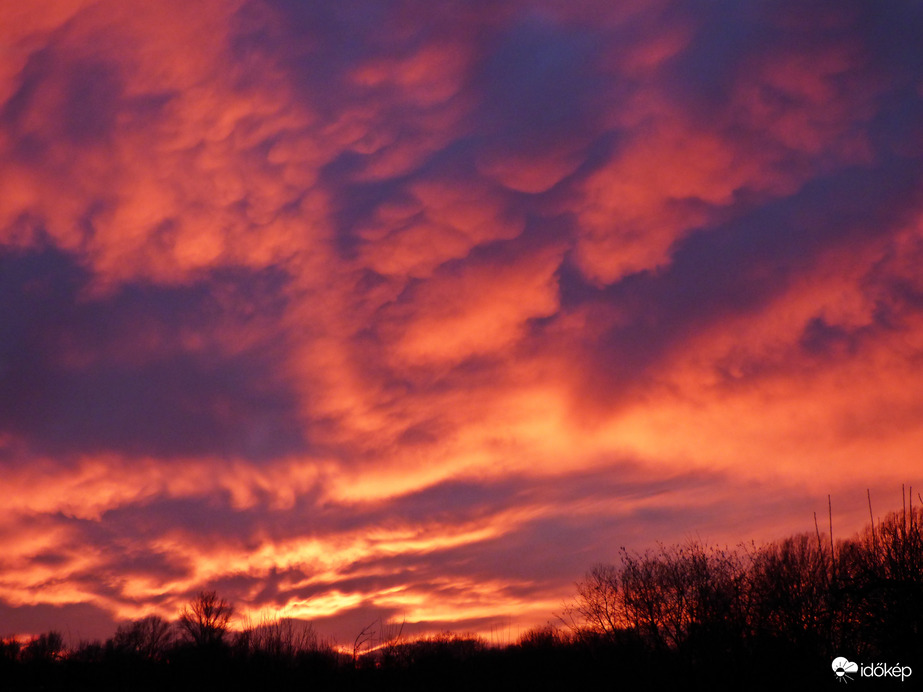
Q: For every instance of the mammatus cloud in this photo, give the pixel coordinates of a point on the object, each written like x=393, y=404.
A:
x=365, y=309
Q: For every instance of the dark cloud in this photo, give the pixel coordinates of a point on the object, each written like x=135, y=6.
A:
x=317, y=43
x=826, y=340
x=731, y=39
x=73, y=99
x=737, y=268
x=539, y=82
x=206, y=520
x=726, y=32
x=113, y=373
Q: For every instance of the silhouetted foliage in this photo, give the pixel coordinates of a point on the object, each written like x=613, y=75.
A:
x=801, y=599
x=879, y=593
x=664, y=598
x=281, y=639
x=149, y=637
x=45, y=647
x=9, y=649
x=205, y=620
x=757, y=618
x=790, y=584
x=597, y=605
x=543, y=638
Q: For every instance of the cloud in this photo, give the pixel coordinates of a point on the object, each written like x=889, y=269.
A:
x=336, y=307
x=539, y=110
x=147, y=370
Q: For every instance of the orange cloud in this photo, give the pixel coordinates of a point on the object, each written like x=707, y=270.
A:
x=480, y=310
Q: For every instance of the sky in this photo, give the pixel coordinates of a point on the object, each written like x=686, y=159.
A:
x=405, y=310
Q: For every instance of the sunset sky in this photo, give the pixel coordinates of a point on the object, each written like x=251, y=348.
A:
x=415, y=309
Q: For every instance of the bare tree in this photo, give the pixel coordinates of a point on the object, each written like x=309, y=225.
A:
x=45, y=647
x=644, y=604
x=790, y=582
x=685, y=590
x=597, y=606
x=664, y=597
x=363, y=640
x=882, y=586
x=149, y=637
x=205, y=620
x=10, y=648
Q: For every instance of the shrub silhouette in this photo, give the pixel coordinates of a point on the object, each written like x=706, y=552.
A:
x=280, y=639
x=543, y=638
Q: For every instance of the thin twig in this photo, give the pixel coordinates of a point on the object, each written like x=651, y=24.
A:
x=871, y=519
x=817, y=530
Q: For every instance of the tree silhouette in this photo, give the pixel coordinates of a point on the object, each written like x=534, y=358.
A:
x=597, y=607
x=45, y=647
x=656, y=620
x=882, y=589
x=149, y=637
x=790, y=581
x=9, y=649
x=205, y=620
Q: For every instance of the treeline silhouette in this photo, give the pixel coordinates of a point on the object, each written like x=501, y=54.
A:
x=753, y=617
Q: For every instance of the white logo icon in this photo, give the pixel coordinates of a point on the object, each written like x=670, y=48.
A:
x=842, y=666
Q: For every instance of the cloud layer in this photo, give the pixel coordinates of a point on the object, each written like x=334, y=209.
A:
x=358, y=310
